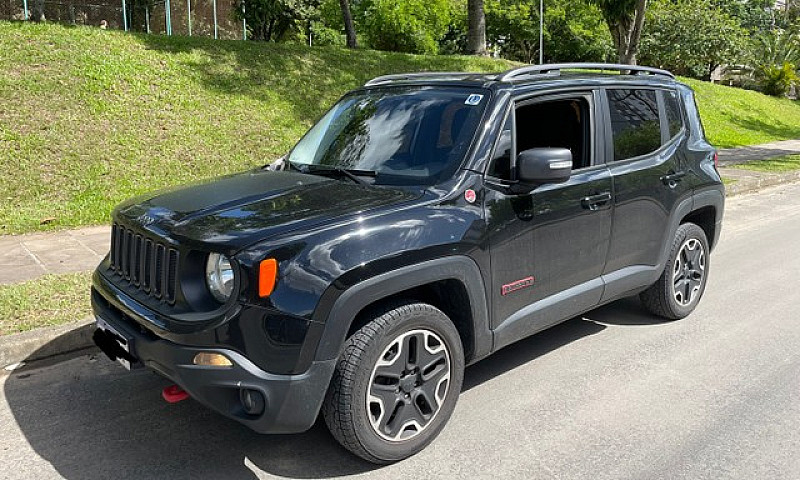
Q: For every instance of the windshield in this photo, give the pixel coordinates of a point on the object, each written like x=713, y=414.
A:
x=403, y=136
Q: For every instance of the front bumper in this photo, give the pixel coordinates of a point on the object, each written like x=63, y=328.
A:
x=292, y=402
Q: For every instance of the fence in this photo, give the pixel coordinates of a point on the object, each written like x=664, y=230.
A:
x=210, y=18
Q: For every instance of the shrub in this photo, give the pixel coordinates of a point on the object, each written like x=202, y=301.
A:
x=776, y=80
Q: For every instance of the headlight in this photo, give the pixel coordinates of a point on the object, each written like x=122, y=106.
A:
x=219, y=276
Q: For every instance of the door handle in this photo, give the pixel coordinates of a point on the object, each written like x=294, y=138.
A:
x=672, y=179
x=594, y=202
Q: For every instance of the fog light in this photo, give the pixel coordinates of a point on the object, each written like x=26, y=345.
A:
x=212, y=360
x=252, y=401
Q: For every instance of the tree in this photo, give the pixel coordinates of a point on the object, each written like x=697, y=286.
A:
x=755, y=16
x=412, y=26
x=775, y=56
x=349, y=28
x=476, y=35
x=692, y=37
x=271, y=20
x=574, y=30
x=625, y=19
x=777, y=47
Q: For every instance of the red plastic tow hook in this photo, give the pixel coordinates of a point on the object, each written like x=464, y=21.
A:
x=174, y=394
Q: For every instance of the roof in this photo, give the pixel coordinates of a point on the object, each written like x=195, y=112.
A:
x=528, y=75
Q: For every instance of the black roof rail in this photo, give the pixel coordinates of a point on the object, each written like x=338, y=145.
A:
x=412, y=76
x=555, y=69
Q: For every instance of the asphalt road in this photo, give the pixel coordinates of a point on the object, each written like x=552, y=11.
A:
x=615, y=394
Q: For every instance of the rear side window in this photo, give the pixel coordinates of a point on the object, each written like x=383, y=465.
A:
x=634, y=122
x=673, y=112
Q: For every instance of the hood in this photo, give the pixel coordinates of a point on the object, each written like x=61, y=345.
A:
x=232, y=212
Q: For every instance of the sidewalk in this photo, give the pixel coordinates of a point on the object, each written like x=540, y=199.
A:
x=732, y=156
x=25, y=257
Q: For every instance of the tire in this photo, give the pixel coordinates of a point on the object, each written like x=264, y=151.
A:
x=678, y=290
x=364, y=382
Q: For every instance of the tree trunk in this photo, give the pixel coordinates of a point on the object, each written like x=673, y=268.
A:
x=349, y=28
x=636, y=33
x=619, y=35
x=37, y=15
x=476, y=35
x=626, y=32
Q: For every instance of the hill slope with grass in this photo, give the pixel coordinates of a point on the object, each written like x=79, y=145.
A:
x=89, y=117
x=733, y=117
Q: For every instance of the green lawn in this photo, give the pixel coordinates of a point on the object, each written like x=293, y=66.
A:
x=89, y=117
x=48, y=300
x=786, y=163
x=734, y=117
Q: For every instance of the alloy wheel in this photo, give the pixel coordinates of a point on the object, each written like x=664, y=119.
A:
x=688, y=272
x=408, y=385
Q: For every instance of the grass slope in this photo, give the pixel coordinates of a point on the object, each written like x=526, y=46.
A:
x=734, y=117
x=90, y=117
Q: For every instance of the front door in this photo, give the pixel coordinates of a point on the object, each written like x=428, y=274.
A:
x=548, y=246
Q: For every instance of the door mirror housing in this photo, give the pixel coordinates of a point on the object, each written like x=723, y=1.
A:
x=538, y=166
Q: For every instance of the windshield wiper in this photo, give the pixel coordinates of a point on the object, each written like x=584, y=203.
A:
x=292, y=166
x=351, y=173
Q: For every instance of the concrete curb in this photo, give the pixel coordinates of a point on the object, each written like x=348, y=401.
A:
x=46, y=342
x=755, y=183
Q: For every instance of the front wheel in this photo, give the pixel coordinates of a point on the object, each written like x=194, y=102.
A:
x=677, y=292
x=396, y=383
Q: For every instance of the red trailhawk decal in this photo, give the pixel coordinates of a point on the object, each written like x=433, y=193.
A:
x=517, y=285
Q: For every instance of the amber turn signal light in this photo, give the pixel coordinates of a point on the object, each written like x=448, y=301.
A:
x=212, y=360
x=267, y=274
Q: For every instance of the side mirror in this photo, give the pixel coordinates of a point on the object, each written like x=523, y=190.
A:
x=544, y=165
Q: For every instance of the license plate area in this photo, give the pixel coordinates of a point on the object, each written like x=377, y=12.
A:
x=115, y=344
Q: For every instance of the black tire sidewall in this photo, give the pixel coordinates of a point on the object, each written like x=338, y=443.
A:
x=428, y=318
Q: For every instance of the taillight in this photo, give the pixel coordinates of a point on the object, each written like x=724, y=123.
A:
x=716, y=159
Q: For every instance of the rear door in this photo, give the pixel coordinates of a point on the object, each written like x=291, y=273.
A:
x=645, y=130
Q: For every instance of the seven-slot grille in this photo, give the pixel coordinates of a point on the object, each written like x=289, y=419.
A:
x=148, y=265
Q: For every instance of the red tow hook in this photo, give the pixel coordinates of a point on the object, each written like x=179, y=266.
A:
x=174, y=394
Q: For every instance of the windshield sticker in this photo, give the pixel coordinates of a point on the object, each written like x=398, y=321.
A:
x=473, y=99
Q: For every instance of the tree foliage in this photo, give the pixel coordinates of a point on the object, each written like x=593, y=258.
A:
x=413, y=26
x=776, y=54
x=573, y=31
x=273, y=20
x=755, y=16
x=692, y=37
x=776, y=47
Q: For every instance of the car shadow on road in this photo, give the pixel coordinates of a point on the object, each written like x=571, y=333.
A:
x=90, y=419
x=625, y=312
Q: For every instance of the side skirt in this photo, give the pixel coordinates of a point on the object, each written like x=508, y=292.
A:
x=574, y=301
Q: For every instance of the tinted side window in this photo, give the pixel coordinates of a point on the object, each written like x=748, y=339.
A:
x=634, y=122
x=673, y=111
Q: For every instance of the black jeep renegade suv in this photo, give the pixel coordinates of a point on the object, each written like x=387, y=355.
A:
x=426, y=221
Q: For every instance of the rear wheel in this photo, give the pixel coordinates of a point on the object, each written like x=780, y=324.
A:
x=677, y=292
x=396, y=383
